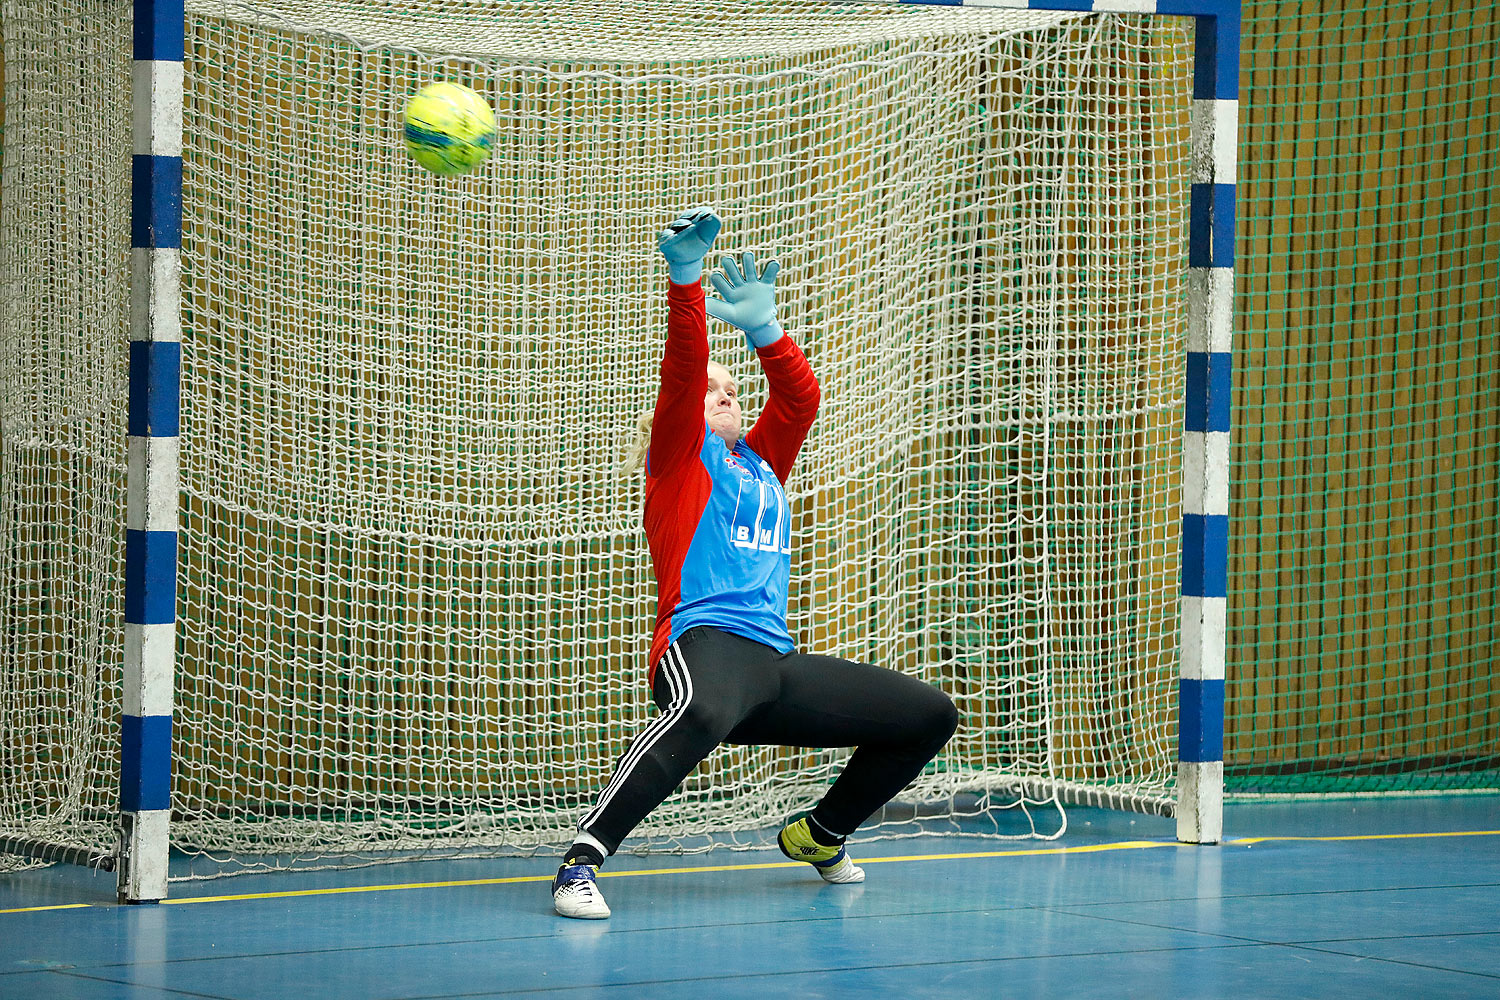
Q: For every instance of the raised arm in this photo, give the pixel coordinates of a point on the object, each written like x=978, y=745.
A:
x=747, y=301
x=782, y=426
x=677, y=428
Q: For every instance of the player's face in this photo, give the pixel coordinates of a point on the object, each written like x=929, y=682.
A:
x=721, y=404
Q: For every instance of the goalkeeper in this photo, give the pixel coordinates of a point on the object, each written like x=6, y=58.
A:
x=723, y=666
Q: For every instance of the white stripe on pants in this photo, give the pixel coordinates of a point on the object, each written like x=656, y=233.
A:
x=681, y=687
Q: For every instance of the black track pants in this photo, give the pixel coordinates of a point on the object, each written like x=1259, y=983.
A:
x=716, y=687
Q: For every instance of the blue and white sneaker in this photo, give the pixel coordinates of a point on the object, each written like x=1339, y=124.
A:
x=575, y=893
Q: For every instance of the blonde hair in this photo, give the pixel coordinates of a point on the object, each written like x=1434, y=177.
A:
x=635, y=458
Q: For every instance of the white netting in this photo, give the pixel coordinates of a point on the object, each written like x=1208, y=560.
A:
x=416, y=599
x=64, y=256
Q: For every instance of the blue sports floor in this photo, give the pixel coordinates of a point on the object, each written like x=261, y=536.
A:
x=1366, y=898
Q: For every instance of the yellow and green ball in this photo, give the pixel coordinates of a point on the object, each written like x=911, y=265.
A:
x=449, y=128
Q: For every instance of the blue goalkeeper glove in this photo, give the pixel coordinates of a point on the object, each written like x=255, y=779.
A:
x=747, y=299
x=686, y=242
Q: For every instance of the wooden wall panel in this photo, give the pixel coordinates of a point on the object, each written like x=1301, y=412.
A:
x=1367, y=443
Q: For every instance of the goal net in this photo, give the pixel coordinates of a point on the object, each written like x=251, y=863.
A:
x=414, y=596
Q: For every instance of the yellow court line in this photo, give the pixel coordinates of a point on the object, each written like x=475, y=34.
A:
x=59, y=906
x=1126, y=845
x=697, y=869
x=1372, y=836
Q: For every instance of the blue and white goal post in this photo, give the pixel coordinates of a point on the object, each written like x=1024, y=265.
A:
x=155, y=364
x=152, y=484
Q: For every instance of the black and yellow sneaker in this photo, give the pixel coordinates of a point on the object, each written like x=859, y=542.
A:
x=796, y=842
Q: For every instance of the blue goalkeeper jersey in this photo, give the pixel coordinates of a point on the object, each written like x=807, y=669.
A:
x=739, y=561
